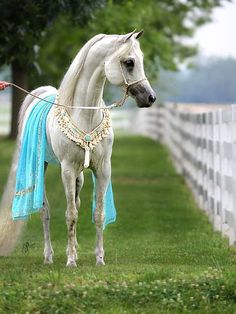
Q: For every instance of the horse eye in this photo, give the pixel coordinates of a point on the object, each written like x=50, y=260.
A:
x=129, y=64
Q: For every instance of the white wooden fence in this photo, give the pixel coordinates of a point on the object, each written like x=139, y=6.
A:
x=5, y=113
x=203, y=147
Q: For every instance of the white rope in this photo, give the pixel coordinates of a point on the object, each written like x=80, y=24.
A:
x=115, y=104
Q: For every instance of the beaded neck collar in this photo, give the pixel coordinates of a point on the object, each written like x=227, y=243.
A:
x=85, y=140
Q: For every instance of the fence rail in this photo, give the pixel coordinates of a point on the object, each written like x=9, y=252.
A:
x=5, y=112
x=203, y=147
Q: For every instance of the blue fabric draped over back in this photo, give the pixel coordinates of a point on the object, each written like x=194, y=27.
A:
x=29, y=189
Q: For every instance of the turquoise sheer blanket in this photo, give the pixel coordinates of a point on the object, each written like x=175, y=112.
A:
x=29, y=188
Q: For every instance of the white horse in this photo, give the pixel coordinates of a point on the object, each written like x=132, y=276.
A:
x=118, y=59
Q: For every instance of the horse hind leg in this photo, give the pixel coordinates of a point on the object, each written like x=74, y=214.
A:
x=45, y=216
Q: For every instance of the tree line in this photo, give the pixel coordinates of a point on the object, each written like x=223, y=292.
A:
x=39, y=38
x=213, y=80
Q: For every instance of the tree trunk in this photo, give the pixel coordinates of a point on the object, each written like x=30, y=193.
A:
x=19, y=77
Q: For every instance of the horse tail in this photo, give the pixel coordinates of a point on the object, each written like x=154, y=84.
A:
x=10, y=230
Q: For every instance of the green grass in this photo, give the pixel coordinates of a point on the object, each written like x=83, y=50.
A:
x=162, y=255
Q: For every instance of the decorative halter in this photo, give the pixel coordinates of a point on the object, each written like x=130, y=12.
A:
x=126, y=84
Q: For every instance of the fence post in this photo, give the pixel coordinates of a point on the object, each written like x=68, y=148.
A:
x=233, y=132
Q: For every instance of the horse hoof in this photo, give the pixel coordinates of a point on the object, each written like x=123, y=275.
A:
x=48, y=261
x=71, y=264
x=100, y=262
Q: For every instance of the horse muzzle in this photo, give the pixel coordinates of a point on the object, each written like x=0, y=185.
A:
x=143, y=94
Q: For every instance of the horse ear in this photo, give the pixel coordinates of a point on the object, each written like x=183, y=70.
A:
x=128, y=36
x=139, y=34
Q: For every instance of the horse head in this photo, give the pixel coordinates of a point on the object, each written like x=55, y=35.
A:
x=124, y=67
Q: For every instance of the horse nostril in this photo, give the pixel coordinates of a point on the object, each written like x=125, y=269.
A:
x=151, y=99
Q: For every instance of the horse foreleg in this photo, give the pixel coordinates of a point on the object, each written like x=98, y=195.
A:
x=79, y=185
x=103, y=177
x=45, y=216
x=69, y=182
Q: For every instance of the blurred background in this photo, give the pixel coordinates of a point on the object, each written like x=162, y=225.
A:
x=189, y=47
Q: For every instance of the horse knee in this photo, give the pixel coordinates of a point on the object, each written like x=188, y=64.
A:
x=71, y=216
x=99, y=217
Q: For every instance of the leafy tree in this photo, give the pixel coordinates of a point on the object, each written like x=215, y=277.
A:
x=23, y=25
x=166, y=24
x=32, y=43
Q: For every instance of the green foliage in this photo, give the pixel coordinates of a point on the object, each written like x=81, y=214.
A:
x=166, y=25
x=162, y=255
x=24, y=23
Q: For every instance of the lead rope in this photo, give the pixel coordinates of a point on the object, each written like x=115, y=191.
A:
x=118, y=103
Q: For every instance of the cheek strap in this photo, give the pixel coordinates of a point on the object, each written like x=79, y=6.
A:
x=127, y=84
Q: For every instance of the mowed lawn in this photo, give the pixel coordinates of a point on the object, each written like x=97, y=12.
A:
x=162, y=255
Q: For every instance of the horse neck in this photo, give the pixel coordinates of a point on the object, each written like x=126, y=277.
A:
x=89, y=93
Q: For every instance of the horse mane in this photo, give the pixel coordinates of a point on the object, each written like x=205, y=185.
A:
x=68, y=84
